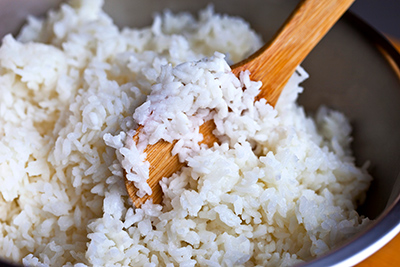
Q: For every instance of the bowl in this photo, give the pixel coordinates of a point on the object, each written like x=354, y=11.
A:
x=354, y=69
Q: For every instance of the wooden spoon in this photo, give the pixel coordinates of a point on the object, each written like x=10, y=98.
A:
x=273, y=64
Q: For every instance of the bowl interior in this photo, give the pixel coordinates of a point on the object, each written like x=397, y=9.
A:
x=348, y=72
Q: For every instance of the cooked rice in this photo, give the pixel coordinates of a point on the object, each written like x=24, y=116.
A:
x=281, y=187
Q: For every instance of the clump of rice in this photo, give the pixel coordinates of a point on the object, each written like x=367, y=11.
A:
x=279, y=189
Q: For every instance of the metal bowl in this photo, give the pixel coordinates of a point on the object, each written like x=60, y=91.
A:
x=354, y=69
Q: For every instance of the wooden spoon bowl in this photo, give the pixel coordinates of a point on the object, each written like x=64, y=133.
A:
x=273, y=65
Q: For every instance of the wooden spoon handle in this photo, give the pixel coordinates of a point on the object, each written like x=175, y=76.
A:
x=273, y=64
x=276, y=61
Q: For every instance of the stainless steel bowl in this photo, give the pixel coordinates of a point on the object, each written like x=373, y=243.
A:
x=354, y=69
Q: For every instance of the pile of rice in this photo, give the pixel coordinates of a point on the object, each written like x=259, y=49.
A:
x=280, y=188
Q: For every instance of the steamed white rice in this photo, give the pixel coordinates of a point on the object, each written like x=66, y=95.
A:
x=280, y=188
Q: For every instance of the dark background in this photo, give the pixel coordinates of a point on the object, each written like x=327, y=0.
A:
x=383, y=15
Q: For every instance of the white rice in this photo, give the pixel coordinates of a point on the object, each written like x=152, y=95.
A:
x=280, y=189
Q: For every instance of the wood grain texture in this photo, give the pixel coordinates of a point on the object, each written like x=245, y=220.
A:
x=277, y=60
x=163, y=164
x=273, y=64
